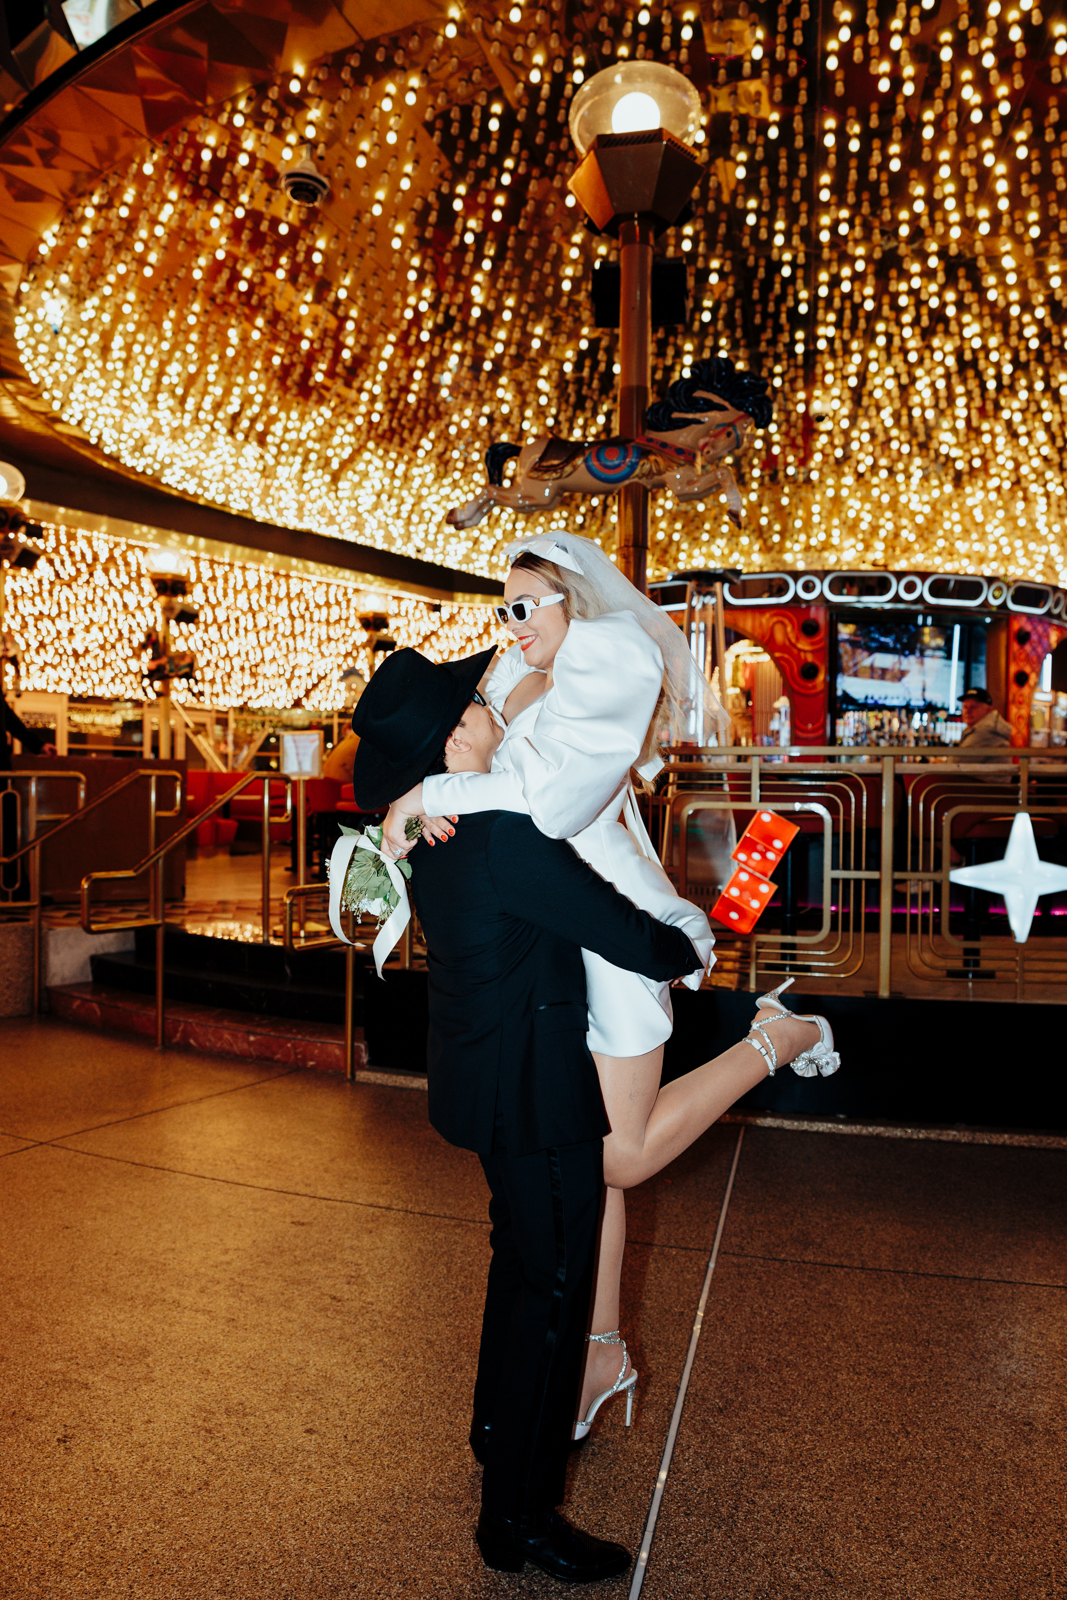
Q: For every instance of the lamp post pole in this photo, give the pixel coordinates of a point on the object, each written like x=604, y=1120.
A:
x=630, y=123
x=164, y=697
x=3, y=628
x=636, y=237
x=167, y=570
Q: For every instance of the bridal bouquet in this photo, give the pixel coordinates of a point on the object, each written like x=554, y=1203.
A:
x=367, y=890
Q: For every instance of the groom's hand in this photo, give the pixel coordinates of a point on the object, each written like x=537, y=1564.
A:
x=395, y=840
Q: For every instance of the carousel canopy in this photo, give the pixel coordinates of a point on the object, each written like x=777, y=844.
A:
x=305, y=266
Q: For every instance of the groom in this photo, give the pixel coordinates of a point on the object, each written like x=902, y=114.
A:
x=506, y=912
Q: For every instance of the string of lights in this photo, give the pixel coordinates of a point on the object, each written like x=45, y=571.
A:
x=263, y=638
x=879, y=232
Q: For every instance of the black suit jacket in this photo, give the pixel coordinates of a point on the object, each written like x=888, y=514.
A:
x=506, y=913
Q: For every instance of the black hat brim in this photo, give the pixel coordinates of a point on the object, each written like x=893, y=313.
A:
x=377, y=778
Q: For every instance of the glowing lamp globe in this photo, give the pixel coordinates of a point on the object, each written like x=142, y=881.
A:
x=12, y=485
x=168, y=570
x=167, y=563
x=634, y=97
x=632, y=124
x=636, y=112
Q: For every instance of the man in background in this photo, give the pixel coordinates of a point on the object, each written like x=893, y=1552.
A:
x=12, y=727
x=338, y=762
x=986, y=728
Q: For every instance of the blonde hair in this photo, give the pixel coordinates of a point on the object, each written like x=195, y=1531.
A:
x=580, y=597
x=583, y=599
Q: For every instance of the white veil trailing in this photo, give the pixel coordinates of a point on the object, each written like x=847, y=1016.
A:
x=691, y=712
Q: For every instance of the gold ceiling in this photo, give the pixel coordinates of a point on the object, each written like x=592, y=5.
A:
x=878, y=231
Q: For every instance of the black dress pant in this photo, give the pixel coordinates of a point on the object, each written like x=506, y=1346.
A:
x=545, y=1209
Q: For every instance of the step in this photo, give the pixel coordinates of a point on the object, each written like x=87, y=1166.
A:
x=208, y=985
x=212, y=1029
x=246, y=958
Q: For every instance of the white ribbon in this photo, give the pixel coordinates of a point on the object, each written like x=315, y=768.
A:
x=390, y=931
x=549, y=550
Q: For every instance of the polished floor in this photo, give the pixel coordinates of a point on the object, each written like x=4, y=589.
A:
x=239, y=1311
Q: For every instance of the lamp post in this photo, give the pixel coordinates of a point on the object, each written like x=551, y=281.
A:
x=168, y=570
x=631, y=125
x=13, y=552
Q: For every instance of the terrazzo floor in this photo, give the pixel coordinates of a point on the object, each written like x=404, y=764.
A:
x=239, y=1309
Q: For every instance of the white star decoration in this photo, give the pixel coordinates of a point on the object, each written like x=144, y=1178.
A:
x=1020, y=877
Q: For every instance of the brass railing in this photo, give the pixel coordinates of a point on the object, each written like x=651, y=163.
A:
x=31, y=851
x=889, y=826
x=885, y=830
x=153, y=864
x=294, y=902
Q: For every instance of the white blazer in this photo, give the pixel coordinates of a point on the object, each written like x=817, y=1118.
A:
x=565, y=760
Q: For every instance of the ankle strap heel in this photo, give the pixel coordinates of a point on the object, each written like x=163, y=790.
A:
x=822, y=1058
x=622, y=1385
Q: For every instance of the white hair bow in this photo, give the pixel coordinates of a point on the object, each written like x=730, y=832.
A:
x=548, y=550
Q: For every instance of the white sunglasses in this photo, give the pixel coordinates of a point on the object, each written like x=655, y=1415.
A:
x=522, y=610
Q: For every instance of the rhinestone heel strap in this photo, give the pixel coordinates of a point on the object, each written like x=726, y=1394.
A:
x=822, y=1059
x=623, y=1384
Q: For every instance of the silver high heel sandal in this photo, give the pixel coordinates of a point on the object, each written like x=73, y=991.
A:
x=621, y=1385
x=821, y=1058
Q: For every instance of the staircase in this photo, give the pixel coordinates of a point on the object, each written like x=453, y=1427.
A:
x=233, y=997
x=235, y=975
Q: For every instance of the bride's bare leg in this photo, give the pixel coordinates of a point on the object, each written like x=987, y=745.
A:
x=646, y=1133
x=633, y=1080
x=604, y=1360
x=649, y=1127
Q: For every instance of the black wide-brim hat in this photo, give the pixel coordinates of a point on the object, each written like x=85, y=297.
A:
x=404, y=717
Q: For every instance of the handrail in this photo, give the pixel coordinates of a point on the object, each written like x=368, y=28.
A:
x=35, y=774
x=683, y=756
x=67, y=820
x=301, y=891
x=83, y=811
x=35, y=819
x=154, y=863
x=156, y=856
x=190, y=827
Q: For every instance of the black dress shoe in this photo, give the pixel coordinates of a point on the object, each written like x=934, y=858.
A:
x=550, y=1543
x=479, y=1439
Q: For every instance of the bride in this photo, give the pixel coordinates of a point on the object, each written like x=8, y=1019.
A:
x=598, y=679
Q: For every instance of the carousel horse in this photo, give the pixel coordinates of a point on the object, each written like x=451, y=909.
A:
x=700, y=420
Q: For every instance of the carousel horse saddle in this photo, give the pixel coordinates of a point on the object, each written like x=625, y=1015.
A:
x=563, y=456
x=558, y=457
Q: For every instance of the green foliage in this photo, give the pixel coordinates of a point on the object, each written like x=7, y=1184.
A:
x=367, y=889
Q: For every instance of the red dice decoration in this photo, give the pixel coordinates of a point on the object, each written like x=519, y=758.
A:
x=765, y=841
x=759, y=850
x=742, y=901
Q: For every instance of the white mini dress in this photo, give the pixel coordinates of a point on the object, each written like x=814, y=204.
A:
x=565, y=761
